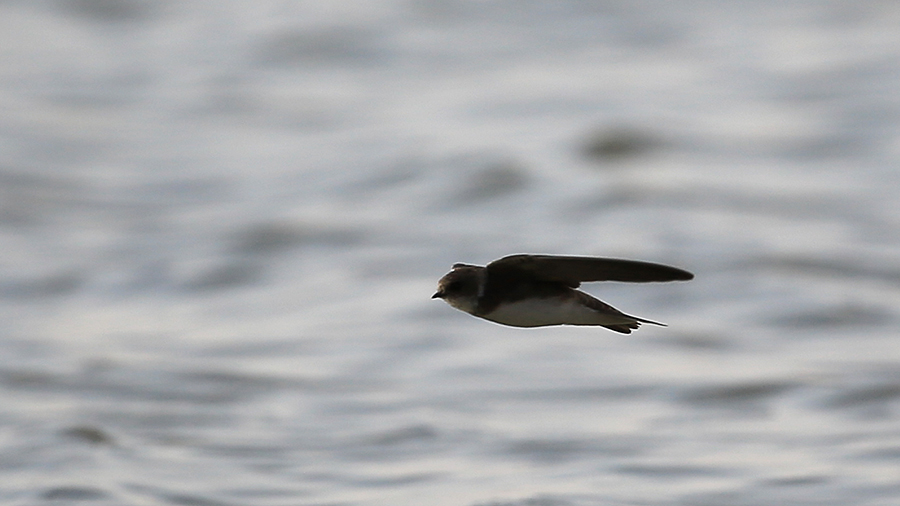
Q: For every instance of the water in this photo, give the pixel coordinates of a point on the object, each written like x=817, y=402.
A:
x=222, y=222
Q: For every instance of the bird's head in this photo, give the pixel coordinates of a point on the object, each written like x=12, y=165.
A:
x=460, y=287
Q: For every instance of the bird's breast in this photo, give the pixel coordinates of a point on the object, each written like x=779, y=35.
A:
x=539, y=312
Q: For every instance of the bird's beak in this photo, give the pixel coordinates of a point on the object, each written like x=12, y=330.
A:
x=438, y=295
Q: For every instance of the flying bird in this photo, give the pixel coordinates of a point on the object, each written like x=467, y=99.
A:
x=541, y=290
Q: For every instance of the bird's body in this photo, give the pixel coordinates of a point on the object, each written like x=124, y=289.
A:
x=541, y=290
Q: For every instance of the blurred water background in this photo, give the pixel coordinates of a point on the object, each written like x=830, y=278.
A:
x=222, y=222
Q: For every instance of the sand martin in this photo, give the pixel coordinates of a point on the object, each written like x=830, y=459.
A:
x=540, y=290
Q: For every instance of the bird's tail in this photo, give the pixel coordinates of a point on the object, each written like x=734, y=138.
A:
x=626, y=328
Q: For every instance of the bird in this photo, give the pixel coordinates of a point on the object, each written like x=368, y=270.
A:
x=526, y=290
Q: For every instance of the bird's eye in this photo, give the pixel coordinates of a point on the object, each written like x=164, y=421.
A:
x=454, y=286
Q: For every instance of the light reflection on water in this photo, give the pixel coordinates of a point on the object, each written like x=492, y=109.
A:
x=221, y=227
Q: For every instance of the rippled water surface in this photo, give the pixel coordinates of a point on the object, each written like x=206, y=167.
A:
x=222, y=222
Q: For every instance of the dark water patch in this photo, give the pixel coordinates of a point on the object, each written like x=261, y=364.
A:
x=232, y=381
x=252, y=248
x=797, y=481
x=619, y=143
x=411, y=434
x=26, y=380
x=274, y=237
x=88, y=434
x=112, y=11
x=587, y=393
x=864, y=396
x=229, y=276
x=177, y=498
x=555, y=451
x=192, y=500
x=736, y=395
x=402, y=443
x=323, y=46
x=890, y=453
x=852, y=316
x=546, y=451
x=74, y=493
x=399, y=480
x=810, y=495
x=28, y=199
x=55, y=285
x=492, y=182
x=696, y=341
x=804, y=491
x=395, y=481
x=146, y=385
x=669, y=471
x=266, y=238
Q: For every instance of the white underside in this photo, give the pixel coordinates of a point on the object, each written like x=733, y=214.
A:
x=541, y=312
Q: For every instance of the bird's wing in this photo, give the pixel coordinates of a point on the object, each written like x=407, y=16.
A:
x=573, y=270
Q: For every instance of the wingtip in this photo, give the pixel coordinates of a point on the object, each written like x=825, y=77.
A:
x=677, y=274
